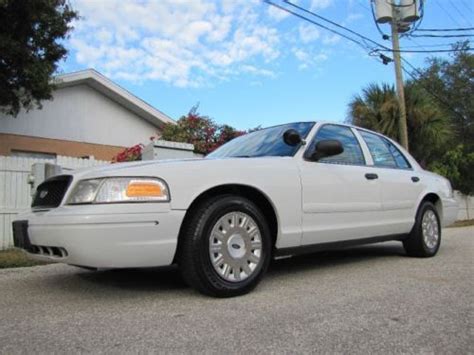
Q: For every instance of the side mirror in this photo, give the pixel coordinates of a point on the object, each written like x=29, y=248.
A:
x=326, y=148
x=292, y=137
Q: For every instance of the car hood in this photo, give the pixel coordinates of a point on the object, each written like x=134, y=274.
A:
x=159, y=167
x=131, y=165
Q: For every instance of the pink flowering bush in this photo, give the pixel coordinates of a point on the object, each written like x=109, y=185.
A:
x=201, y=131
x=129, y=154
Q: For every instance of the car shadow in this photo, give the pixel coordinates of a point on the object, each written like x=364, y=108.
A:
x=169, y=278
x=326, y=259
x=142, y=279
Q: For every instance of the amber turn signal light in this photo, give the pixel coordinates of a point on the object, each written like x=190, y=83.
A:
x=144, y=189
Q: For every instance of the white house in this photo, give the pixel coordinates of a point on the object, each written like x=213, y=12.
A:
x=89, y=115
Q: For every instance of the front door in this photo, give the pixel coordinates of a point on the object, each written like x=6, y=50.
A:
x=341, y=198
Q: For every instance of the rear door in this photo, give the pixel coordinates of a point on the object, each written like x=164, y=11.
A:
x=341, y=200
x=401, y=185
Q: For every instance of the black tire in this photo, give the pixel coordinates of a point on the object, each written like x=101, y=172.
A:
x=415, y=244
x=193, y=254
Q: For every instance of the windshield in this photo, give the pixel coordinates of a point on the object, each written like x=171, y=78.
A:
x=267, y=142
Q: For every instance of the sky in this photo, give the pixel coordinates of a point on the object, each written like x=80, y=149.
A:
x=245, y=62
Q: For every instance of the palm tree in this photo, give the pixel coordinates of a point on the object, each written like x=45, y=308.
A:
x=429, y=130
x=376, y=109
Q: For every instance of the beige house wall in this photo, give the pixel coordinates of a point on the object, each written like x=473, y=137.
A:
x=11, y=142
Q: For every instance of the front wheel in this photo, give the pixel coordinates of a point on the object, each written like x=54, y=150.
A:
x=225, y=246
x=425, y=238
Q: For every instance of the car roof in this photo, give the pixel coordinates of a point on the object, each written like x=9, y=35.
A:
x=335, y=123
x=355, y=127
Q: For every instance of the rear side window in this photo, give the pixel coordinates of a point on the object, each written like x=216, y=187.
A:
x=352, y=154
x=383, y=152
x=402, y=162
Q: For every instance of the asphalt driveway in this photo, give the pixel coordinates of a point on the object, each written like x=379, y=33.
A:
x=365, y=299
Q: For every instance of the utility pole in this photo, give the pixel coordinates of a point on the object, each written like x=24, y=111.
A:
x=402, y=120
x=400, y=14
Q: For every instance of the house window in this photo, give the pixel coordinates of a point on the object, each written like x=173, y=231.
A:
x=36, y=155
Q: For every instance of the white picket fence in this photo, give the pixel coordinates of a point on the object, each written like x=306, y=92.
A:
x=15, y=193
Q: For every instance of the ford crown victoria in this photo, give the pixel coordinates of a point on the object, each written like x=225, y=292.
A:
x=289, y=189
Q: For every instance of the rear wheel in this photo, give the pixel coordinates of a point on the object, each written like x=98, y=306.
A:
x=425, y=238
x=225, y=247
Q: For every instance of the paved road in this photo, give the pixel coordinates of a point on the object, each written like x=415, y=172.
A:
x=366, y=299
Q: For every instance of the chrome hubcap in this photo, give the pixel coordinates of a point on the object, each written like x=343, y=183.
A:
x=430, y=229
x=235, y=246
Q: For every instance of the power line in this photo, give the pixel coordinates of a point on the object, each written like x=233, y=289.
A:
x=445, y=103
x=333, y=23
x=469, y=9
x=378, y=56
x=362, y=5
x=424, y=46
x=363, y=45
x=373, y=50
x=446, y=29
x=396, y=51
x=382, y=48
x=444, y=36
x=457, y=10
x=417, y=44
x=424, y=51
x=447, y=13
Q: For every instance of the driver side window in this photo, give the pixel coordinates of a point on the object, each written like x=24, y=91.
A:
x=352, y=154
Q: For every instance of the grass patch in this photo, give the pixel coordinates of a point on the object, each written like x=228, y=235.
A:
x=466, y=223
x=16, y=258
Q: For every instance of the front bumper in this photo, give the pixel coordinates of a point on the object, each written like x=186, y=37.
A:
x=105, y=236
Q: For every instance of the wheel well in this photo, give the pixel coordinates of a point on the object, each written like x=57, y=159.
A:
x=251, y=193
x=436, y=201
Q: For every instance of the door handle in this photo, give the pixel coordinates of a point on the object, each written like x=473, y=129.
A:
x=371, y=176
x=415, y=178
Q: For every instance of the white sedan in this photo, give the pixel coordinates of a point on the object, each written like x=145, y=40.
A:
x=289, y=189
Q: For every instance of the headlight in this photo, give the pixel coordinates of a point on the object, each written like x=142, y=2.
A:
x=122, y=189
x=85, y=191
